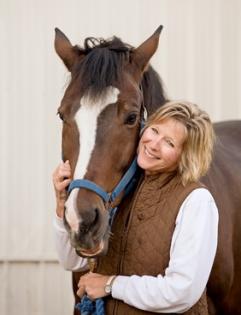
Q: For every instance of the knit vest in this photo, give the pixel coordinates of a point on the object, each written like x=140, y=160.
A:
x=142, y=234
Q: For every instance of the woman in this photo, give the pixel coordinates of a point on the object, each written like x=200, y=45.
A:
x=164, y=241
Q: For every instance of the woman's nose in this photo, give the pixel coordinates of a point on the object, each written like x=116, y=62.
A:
x=155, y=144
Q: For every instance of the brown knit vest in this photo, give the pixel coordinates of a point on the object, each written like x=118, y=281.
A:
x=142, y=234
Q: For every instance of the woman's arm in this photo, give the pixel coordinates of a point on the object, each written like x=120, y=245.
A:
x=66, y=253
x=192, y=254
x=67, y=256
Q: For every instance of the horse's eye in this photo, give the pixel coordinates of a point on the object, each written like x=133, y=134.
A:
x=131, y=119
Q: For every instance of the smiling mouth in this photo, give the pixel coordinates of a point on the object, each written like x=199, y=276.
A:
x=147, y=153
x=91, y=252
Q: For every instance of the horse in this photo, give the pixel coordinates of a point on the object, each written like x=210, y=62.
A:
x=112, y=85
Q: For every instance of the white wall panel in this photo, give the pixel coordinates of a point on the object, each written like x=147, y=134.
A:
x=34, y=288
x=198, y=59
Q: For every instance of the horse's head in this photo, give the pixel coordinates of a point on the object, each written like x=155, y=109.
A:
x=101, y=112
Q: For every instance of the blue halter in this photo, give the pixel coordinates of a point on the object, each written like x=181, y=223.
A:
x=107, y=197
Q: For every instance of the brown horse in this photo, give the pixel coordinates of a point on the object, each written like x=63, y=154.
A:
x=111, y=84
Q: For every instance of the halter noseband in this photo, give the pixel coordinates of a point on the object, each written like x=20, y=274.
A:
x=107, y=197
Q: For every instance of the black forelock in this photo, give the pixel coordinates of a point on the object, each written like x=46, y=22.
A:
x=102, y=65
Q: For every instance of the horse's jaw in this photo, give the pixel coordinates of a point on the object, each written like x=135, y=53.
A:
x=99, y=250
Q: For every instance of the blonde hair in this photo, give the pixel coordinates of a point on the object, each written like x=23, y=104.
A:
x=198, y=147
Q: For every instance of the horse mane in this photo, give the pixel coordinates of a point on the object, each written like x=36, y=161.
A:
x=154, y=94
x=103, y=66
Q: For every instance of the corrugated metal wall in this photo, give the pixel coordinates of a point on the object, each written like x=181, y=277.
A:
x=198, y=59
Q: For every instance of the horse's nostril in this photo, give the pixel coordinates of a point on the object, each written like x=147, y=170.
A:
x=83, y=229
x=97, y=215
x=90, y=221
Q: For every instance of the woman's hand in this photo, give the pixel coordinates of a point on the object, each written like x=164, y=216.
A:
x=61, y=179
x=93, y=284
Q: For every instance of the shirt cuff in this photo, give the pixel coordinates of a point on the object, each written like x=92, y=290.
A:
x=119, y=287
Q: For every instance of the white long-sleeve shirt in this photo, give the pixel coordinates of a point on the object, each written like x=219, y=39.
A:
x=192, y=253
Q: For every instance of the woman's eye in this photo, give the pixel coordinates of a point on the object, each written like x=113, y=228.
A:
x=170, y=143
x=154, y=130
x=131, y=119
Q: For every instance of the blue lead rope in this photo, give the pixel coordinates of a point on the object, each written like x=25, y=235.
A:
x=89, y=307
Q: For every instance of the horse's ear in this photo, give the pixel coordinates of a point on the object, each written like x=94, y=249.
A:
x=143, y=53
x=68, y=53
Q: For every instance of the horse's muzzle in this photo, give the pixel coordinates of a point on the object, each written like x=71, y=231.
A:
x=90, y=237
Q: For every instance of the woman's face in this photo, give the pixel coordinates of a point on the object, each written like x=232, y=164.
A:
x=161, y=146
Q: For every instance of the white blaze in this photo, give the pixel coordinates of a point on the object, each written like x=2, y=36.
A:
x=86, y=119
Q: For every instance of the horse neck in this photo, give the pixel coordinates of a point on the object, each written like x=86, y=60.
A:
x=153, y=91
